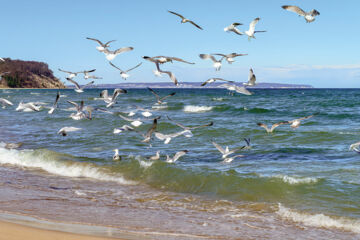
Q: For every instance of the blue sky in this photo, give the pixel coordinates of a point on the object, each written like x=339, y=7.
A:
x=324, y=53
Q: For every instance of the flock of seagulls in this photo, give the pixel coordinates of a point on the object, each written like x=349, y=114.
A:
x=85, y=112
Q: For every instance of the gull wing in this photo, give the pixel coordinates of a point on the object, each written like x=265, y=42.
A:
x=242, y=90
x=278, y=124
x=75, y=83
x=151, y=129
x=65, y=71
x=195, y=25
x=171, y=94
x=56, y=99
x=108, y=42
x=96, y=40
x=303, y=118
x=170, y=74
x=133, y=67
x=153, y=92
x=252, y=77
x=252, y=24
x=294, y=9
x=314, y=12
x=264, y=126
x=177, y=14
x=218, y=147
x=181, y=60
x=124, y=49
x=88, y=84
x=208, y=56
x=115, y=66
x=179, y=154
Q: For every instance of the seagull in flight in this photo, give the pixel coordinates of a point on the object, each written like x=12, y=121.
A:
x=71, y=74
x=185, y=20
x=79, y=89
x=168, y=137
x=124, y=74
x=110, y=55
x=233, y=87
x=252, y=79
x=273, y=126
x=124, y=128
x=52, y=109
x=217, y=63
x=176, y=156
x=309, y=16
x=148, y=134
x=226, y=152
x=211, y=80
x=116, y=156
x=165, y=59
x=355, y=147
x=116, y=93
x=134, y=122
x=4, y=102
x=189, y=133
x=251, y=32
x=80, y=114
x=65, y=130
x=232, y=28
x=229, y=57
x=296, y=122
x=160, y=100
x=28, y=107
x=102, y=46
x=158, y=71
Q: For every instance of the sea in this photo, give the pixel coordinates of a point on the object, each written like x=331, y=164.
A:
x=298, y=183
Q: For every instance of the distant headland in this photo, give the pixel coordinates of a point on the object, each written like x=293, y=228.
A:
x=27, y=74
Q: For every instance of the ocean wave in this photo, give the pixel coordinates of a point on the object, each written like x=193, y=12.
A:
x=319, y=220
x=296, y=180
x=48, y=161
x=194, y=108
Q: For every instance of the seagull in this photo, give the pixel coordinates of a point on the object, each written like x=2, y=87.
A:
x=160, y=99
x=71, y=74
x=116, y=156
x=28, y=107
x=165, y=59
x=156, y=157
x=176, y=156
x=233, y=87
x=102, y=46
x=144, y=112
x=230, y=159
x=134, y=122
x=185, y=20
x=296, y=122
x=110, y=55
x=226, y=152
x=211, y=80
x=123, y=129
x=217, y=63
x=309, y=16
x=272, y=127
x=124, y=74
x=189, y=133
x=251, y=32
x=158, y=71
x=80, y=114
x=230, y=57
x=147, y=135
x=5, y=102
x=79, y=89
x=52, y=109
x=168, y=137
x=65, y=130
x=232, y=28
x=355, y=147
x=116, y=93
x=252, y=79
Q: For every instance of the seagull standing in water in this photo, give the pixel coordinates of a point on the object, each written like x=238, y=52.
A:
x=251, y=32
x=79, y=89
x=52, y=109
x=160, y=99
x=185, y=20
x=111, y=55
x=309, y=16
x=232, y=28
x=124, y=74
x=252, y=79
x=102, y=46
x=217, y=63
x=65, y=130
x=176, y=156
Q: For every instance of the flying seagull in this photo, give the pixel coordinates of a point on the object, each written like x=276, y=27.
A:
x=296, y=122
x=160, y=99
x=110, y=102
x=189, y=134
x=65, y=130
x=309, y=16
x=168, y=137
x=110, y=55
x=217, y=63
x=102, y=46
x=226, y=152
x=176, y=156
x=230, y=57
x=147, y=135
x=165, y=59
x=124, y=74
x=211, y=80
x=80, y=114
x=232, y=28
x=124, y=128
x=116, y=156
x=79, y=89
x=273, y=126
x=52, y=109
x=252, y=79
x=158, y=71
x=233, y=87
x=185, y=20
x=355, y=147
x=4, y=102
x=134, y=122
x=71, y=74
x=251, y=32
x=28, y=107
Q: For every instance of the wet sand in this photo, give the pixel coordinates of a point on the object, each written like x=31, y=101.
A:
x=12, y=231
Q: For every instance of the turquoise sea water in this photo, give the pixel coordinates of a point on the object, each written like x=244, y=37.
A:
x=306, y=176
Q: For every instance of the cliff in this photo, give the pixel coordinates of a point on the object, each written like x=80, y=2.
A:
x=27, y=74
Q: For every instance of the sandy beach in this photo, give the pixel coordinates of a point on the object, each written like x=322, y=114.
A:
x=12, y=231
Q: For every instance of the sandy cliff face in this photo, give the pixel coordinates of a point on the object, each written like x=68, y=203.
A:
x=27, y=74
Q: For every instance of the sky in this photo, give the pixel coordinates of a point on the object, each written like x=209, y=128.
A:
x=324, y=53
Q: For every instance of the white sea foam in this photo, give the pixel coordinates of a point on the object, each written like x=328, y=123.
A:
x=319, y=220
x=47, y=161
x=296, y=180
x=195, y=109
x=220, y=99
